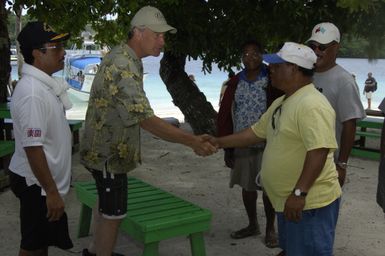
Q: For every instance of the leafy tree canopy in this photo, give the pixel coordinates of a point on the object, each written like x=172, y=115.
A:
x=214, y=29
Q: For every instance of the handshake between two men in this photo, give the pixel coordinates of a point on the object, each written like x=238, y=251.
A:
x=207, y=144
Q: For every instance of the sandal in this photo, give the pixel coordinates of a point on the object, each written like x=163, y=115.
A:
x=282, y=253
x=245, y=232
x=271, y=241
x=87, y=253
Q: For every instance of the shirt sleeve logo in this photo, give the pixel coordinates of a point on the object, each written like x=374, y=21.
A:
x=33, y=132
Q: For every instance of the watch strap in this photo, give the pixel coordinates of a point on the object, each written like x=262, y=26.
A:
x=342, y=165
x=298, y=192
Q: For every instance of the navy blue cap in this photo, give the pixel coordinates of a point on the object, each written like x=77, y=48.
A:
x=37, y=33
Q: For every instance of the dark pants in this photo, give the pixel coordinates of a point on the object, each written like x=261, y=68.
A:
x=36, y=231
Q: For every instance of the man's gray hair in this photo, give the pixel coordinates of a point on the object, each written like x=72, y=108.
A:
x=131, y=32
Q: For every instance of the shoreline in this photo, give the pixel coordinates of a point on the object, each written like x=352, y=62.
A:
x=78, y=111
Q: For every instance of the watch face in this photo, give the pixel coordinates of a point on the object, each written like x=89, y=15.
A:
x=297, y=192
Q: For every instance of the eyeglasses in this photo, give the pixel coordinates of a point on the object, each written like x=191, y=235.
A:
x=55, y=47
x=321, y=47
x=276, y=112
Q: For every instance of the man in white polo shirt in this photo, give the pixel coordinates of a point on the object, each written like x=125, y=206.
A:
x=41, y=165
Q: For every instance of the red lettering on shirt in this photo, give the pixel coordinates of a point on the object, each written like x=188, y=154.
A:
x=33, y=132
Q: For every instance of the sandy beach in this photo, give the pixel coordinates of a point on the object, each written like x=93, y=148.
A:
x=204, y=181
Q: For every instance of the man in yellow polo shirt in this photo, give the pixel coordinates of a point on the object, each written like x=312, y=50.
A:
x=298, y=172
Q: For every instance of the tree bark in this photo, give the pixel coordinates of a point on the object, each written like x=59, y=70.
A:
x=5, y=65
x=198, y=112
x=18, y=24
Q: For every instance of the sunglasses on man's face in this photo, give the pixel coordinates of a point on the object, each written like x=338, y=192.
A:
x=321, y=47
x=57, y=47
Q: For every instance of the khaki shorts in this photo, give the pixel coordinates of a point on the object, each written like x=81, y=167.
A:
x=247, y=164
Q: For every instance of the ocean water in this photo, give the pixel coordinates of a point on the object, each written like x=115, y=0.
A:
x=210, y=84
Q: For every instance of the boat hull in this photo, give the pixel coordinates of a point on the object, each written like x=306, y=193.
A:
x=78, y=95
x=80, y=71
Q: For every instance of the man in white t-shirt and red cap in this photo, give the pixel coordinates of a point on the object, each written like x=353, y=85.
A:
x=339, y=87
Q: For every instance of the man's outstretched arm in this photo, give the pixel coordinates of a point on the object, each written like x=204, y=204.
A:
x=166, y=131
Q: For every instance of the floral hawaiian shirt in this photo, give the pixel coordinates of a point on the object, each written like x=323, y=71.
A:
x=117, y=104
x=249, y=100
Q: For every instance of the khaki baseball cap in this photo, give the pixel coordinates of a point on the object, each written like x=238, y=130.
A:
x=325, y=33
x=150, y=17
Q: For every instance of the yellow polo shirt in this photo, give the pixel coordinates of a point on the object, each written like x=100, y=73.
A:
x=302, y=122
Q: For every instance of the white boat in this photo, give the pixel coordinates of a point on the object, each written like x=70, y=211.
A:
x=13, y=54
x=79, y=72
x=81, y=65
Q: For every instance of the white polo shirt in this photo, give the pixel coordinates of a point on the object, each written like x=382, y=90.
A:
x=39, y=120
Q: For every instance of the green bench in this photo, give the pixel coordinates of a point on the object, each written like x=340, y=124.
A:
x=7, y=147
x=369, y=134
x=6, y=128
x=6, y=150
x=367, y=128
x=153, y=215
x=75, y=126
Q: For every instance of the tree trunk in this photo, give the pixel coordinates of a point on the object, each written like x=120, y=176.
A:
x=20, y=59
x=198, y=112
x=5, y=65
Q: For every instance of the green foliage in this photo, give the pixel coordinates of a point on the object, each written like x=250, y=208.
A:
x=358, y=5
x=12, y=26
x=214, y=30
x=352, y=47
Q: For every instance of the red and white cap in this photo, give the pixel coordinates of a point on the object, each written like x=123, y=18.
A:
x=325, y=33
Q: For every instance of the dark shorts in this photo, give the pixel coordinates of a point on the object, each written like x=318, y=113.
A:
x=112, y=191
x=36, y=231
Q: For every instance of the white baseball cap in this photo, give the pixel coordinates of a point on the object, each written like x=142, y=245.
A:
x=325, y=33
x=298, y=54
x=150, y=17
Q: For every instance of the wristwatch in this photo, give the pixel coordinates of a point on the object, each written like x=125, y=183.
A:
x=342, y=165
x=298, y=192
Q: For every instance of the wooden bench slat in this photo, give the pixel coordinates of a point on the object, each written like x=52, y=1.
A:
x=149, y=214
x=370, y=123
x=368, y=128
x=152, y=216
x=147, y=192
x=154, y=203
x=368, y=134
x=365, y=153
x=186, y=217
x=149, y=198
x=75, y=124
x=139, y=189
x=7, y=147
x=151, y=209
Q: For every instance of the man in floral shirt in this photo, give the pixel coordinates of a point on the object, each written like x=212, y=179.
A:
x=118, y=108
